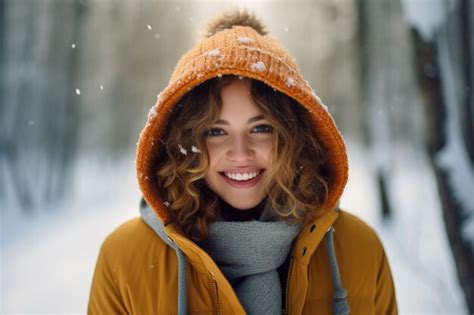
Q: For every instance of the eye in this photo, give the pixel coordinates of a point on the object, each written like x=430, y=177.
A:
x=213, y=132
x=263, y=128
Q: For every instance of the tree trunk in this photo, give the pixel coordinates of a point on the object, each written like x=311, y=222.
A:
x=444, y=104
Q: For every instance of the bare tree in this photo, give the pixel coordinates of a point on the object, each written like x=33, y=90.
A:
x=444, y=57
x=39, y=122
x=388, y=87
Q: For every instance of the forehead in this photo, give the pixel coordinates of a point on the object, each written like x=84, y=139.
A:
x=237, y=100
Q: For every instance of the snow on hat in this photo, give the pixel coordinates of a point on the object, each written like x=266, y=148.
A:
x=236, y=43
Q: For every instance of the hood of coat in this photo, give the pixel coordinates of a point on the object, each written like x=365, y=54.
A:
x=243, y=52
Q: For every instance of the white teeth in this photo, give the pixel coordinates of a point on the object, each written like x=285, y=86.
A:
x=241, y=176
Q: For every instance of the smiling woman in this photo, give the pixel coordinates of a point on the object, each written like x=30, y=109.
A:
x=244, y=129
x=241, y=168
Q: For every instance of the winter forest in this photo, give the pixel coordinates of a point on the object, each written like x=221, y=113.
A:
x=78, y=77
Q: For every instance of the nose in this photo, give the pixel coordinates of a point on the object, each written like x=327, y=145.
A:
x=240, y=150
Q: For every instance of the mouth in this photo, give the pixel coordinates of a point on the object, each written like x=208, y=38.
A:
x=242, y=179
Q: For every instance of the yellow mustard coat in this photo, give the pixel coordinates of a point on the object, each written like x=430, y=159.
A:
x=136, y=272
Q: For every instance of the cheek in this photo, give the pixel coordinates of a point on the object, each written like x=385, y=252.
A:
x=265, y=148
x=214, y=154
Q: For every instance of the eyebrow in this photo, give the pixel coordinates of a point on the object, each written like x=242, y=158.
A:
x=253, y=119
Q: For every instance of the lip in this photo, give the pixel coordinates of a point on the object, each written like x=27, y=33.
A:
x=243, y=184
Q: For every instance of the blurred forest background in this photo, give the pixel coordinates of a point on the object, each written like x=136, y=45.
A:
x=77, y=78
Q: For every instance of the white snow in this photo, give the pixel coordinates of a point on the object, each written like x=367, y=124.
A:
x=415, y=240
x=166, y=203
x=78, y=92
x=73, y=45
x=290, y=82
x=182, y=150
x=152, y=113
x=101, y=87
x=258, y=66
x=245, y=40
x=149, y=27
x=318, y=99
x=214, y=53
x=195, y=149
x=426, y=16
x=48, y=259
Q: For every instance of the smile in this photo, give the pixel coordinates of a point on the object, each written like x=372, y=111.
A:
x=242, y=176
x=242, y=180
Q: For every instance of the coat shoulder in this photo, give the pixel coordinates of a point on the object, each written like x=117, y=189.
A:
x=356, y=232
x=132, y=240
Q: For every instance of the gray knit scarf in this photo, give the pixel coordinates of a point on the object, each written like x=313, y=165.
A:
x=249, y=253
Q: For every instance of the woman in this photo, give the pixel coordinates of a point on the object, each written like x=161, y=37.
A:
x=241, y=168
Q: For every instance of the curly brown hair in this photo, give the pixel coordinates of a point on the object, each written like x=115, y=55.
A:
x=296, y=183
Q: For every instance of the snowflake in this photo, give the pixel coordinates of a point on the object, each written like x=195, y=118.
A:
x=182, y=150
x=258, y=66
x=245, y=40
x=166, y=203
x=316, y=97
x=290, y=82
x=78, y=92
x=195, y=150
x=152, y=113
x=214, y=53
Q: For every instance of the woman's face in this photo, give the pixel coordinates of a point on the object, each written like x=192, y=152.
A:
x=239, y=146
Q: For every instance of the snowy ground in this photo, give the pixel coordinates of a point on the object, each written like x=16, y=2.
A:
x=47, y=262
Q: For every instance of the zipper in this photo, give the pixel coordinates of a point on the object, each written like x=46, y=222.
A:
x=215, y=295
x=285, y=310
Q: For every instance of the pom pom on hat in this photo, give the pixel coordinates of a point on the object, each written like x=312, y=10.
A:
x=233, y=17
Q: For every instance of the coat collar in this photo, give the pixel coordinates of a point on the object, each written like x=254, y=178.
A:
x=304, y=246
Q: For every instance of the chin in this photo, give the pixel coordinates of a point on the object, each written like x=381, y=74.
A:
x=238, y=204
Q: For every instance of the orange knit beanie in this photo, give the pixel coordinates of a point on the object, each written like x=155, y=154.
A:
x=239, y=46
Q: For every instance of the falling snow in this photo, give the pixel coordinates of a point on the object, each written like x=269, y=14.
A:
x=166, y=203
x=258, y=66
x=149, y=27
x=101, y=87
x=78, y=92
x=195, y=149
x=73, y=45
